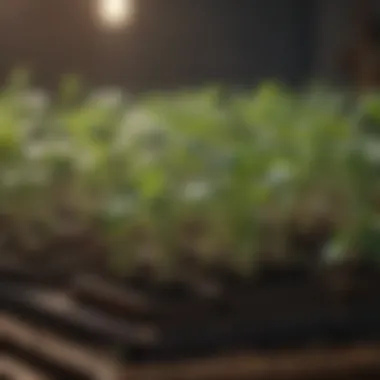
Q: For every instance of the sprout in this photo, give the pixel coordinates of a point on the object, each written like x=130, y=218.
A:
x=281, y=172
x=335, y=251
x=197, y=190
x=35, y=101
x=238, y=167
x=371, y=150
x=108, y=98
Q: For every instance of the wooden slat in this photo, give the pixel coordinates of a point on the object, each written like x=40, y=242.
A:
x=58, y=349
x=286, y=366
x=111, y=297
x=15, y=369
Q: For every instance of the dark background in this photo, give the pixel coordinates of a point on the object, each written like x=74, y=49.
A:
x=173, y=42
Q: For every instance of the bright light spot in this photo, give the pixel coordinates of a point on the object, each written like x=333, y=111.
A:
x=115, y=13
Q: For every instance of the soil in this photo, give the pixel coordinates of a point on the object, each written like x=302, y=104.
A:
x=353, y=363
x=208, y=309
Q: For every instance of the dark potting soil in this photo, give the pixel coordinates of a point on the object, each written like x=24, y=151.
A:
x=273, y=289
x=295, y=331
x=257, y=327
x=256, y=305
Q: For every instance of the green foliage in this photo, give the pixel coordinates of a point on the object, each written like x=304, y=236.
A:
x=233, y=166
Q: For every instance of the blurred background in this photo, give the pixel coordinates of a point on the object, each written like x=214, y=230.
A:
x=167, y=43
x=264, y=274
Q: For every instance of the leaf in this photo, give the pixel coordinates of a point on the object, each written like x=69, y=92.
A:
x=151, y=183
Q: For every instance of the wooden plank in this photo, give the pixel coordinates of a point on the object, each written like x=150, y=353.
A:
x=58, y=306
x=109, y=297
x=84, y=359
x=313, y=363
x=15, y=369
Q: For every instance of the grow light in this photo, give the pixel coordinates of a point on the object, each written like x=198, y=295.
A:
x=115, y=13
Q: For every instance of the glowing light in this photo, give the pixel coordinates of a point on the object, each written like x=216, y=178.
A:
x=115, y=13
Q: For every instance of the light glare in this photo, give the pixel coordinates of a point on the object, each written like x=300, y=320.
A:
x=115, y=13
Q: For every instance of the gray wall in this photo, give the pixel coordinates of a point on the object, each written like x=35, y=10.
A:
x=335, y=29
x=177, y=41
x=282, y=39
